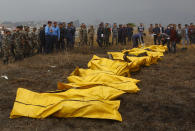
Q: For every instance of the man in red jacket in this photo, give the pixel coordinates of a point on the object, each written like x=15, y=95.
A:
x=173, y=38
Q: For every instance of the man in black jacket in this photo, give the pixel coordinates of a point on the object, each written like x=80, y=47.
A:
x=129, y=32
x=120, y=34
x=100, y=34
x=156, y=32
x=62, y=40
x=42, y=39
x=107, y=34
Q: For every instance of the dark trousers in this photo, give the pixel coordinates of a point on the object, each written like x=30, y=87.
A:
x=114, y=38
x=61, y=44
x=171, y=45
x=100, y=41
x=70, y=43
x=42, y=46
x=135, y=42
x=156, y=38
x=56, y=44
x=141, y=37
x=165, y=41
x=107, y=41
x=124, y=40
x=48, y=44
x=130, y=37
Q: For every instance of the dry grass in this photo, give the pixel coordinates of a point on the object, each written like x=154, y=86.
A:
x=166, y=100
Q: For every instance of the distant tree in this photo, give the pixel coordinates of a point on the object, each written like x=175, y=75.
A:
x=132, y=24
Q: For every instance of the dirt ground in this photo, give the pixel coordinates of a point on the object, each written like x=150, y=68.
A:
x=166, y=100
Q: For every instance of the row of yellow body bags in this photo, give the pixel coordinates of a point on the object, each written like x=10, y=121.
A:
x=92, y=92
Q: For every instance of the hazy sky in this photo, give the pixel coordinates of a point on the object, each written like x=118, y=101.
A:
x=93, y=11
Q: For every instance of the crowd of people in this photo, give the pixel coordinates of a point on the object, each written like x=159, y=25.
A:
x=22, y=42
x=19, y=43
x=172, y=34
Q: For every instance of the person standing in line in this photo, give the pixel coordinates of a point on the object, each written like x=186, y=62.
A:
x=48, y=38
x=65, y=34
x=81, y=43
x=19, y=42
x=73, y=30
x=156, y=33
x=185, y=35
x=91, y=33
x=124, y=36
x=179, y=33
x=62, y=37
x=1, y=35
x=115, y=34
x=162, y=30
x=107, y=35
x=56, y=36
x=100, y=35
x=120, y=34
x=35, y=41
x=168, y=33
x=85, y=38
x=7, y=41
x=191, y=31
x=42, y=39
x=28, y=47
x=129, y=32
x=173, y=38
x=70, y=36
x=150, y=31
x=141, y=31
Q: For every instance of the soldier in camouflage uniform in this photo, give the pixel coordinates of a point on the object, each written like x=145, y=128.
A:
x=85, y=38
x=28, y=42
x=0, y=44
x=35, y=41
x=7, y=44
x=19, y=42
x=81, y=35
x=91, y=36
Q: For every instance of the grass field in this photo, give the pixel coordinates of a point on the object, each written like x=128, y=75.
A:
x=166, y=100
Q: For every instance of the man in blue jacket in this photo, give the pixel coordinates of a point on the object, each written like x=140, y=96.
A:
x=70, y=36
x=136, y=38
x=56, y=36
x=129, y=32
x=48, y=38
